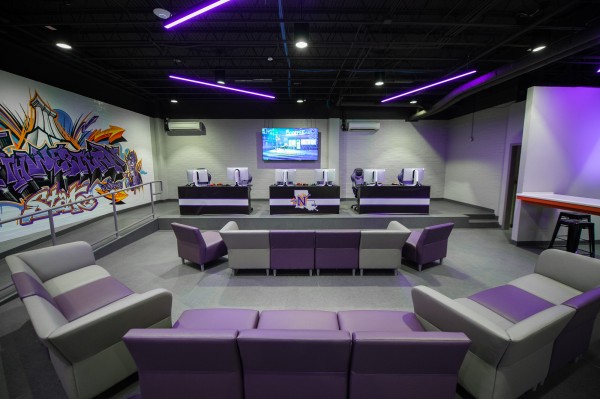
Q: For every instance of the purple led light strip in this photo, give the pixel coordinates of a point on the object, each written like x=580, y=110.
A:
x=427, y=87
x=194, y=14
x=221, y=86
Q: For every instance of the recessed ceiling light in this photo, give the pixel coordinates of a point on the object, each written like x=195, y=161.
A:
x=269, y=59
x=174, y=101
x=413, y=102
x=161, y=13
x=221, y=82
x=538, y=48
x=379, y=83
x=50, y=27
x=64, y=46
x=301, y=44
x=299, y=101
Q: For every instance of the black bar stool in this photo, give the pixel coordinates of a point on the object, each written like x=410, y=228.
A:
x=563, y=216
x=574, y=235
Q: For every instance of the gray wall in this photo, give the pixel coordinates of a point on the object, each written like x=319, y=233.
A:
x=396, y=145
x=477, y=158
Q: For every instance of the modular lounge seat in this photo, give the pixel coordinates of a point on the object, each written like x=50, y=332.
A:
x=247, y=249
x=382, y=249
x=196, y=246
x=525, y=330
x=80, y=313
x=427, y=245
x=197, y=358
x=393, y=355
x=337, y=249
x=295, y=354
x=292, y=249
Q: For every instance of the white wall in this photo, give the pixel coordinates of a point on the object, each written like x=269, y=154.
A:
x=561, y=154
x=477, y=159
x=398, y=144
x=15, y=95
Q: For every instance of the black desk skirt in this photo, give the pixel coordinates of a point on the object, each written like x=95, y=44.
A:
x=313, y=200
x=214, y=199
x=393, y=199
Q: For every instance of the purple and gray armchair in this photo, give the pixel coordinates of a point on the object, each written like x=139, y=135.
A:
x=427, y=245
x=196, y=246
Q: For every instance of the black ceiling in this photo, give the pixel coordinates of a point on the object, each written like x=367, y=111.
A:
x=123, y=55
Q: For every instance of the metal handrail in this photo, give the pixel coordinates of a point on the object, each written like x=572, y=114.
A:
x=112, y=193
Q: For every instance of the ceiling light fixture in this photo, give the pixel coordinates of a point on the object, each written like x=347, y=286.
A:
x=198, y=82
x=301, y=33
x=538, y=48
x=161, y=13
x=299, y=101
x=379, y=79
x=598, y=71
x=195, y=13
x=428, y=86
x=413, y=102
x=174, y=101
x=65, y=46
x=220, y=76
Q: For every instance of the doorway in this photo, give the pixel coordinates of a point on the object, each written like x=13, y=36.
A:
x=511, y=189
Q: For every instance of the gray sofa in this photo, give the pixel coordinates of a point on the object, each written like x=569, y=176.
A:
x=525, y=330
x=80, y=313
x=252, y=249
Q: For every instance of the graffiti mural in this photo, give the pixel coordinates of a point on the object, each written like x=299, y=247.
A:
x=48, y=159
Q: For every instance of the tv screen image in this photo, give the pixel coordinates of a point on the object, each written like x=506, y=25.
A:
x=290, y=144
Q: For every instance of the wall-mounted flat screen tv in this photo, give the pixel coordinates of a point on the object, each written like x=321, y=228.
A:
x=290, y=144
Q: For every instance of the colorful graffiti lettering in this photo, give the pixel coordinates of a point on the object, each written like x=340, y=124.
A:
x=49, y=159
x=49, y=197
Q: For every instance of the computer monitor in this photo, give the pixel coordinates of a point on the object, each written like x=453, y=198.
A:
x=374, y=176
x=285, y=177
x=197, y=177
x=324, y=177
x=411, y=176
x=239, y=175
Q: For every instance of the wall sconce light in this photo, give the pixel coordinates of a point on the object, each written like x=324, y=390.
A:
x=301, y=33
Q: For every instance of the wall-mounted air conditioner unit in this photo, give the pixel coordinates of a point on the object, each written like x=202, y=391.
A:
x=184, y=127
x=363, y=126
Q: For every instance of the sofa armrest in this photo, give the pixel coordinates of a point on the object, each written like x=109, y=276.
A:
x=379, y=239
x=488, y=340
x=537, y=331
x=231, y=225
x=105, y=327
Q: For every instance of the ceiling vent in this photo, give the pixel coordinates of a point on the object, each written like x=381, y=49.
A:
x=184, y=127
x=362, y=126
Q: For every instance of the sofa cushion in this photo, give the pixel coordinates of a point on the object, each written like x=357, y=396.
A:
x=77, y=278
x=298, y=320
x=217, y=319
x=27, y=286
x=90, y=297
x=511, y=302
x=545, y=288
x=378, y=320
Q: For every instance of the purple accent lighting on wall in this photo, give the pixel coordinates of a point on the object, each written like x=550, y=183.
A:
x=222, y=87
x=194, y=14
x=428, y=86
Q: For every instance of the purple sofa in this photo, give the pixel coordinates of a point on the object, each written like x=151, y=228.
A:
x=427, y=245
x=197, y=358
x=337, y=249
x=196, y=246
x=391, y=351
x=292, y=249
